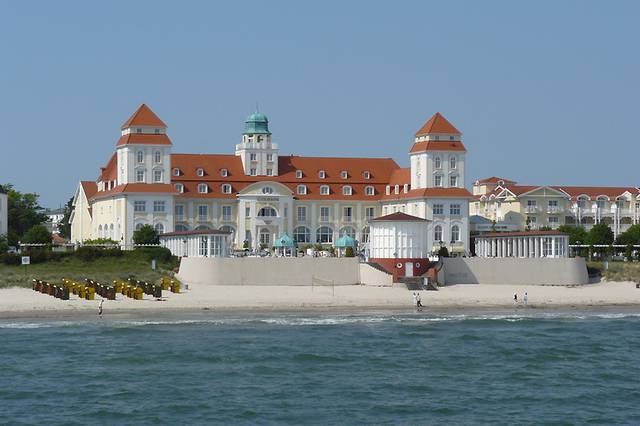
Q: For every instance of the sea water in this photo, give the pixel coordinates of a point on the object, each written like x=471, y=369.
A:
x=499, y=368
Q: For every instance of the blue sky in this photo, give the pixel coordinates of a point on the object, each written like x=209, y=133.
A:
x=544, y=92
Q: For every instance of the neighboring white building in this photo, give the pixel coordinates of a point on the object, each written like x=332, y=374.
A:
x=4, y=212
x=205, y=243
x=54, y=220
x=257, y=194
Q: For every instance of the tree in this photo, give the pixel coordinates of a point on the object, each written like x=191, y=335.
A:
x=38, y=234
x=443, y=252
x=146, y=235
x=348, y=252
x=630, y=237
x=577, y=234
x=600, y=234
x=23, y=213
x=65, y=225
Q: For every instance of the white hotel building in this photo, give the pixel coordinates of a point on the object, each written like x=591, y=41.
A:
x=258, y=194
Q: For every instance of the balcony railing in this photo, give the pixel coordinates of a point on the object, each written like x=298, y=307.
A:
x=554, y=209
x=324, y=218
x=531, y=209
x=347, y=218
x=227, y=218
x=179, y=218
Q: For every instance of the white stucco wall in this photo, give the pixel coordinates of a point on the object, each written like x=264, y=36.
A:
x=374, y=277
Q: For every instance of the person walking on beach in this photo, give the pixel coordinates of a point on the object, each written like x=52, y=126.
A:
x=100, y=308
x=415, y=299
x=515, y=297
x=525, y=299
x=418, y=302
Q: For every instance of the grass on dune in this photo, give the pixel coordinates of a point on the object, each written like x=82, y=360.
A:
x=619, y=271
x=103, y=270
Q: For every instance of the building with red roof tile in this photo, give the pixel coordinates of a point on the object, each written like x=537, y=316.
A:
x=534, y=206
x=258, y=194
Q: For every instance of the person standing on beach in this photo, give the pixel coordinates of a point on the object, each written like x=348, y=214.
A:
x=100, y=308
x=415, y=299
x=515, y=297
x=525, y=298
x=418, y=302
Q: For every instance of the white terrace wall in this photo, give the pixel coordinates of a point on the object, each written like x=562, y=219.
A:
x=541, y=271
x=269, y=271
x=374, y=277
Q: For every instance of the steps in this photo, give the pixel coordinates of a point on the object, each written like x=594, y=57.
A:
x=417, y=283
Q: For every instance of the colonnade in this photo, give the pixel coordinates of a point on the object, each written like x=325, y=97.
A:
x=526, y=246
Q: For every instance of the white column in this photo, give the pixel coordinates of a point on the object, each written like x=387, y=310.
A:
x=553, y=247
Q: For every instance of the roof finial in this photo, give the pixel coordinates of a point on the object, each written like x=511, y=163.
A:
x=257, y=107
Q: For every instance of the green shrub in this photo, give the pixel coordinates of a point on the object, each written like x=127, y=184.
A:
x=100, y=241
x=443, y=252
x=37, y=235
x=88, y=254
x=38, y=254
x=161, y=254
x=10, y=259
x=348, y=252
x=146, y=235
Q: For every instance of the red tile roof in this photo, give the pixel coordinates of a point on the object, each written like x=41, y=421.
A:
x=595, y=191
x=141, y=188
x=438, y=146
x=429, y=193
x=143, y=117
x=195, y=232
x=437, y=124
x=495, y=179
x=89, y=187
x=398, y=217
x=109, y=171
x=144, y=139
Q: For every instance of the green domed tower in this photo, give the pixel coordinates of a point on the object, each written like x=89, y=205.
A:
x=259, y=155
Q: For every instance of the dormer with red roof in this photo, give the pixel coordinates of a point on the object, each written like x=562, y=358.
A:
x=437, y=155
x=143, y=150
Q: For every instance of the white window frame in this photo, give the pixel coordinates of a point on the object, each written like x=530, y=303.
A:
x=453, y=181
x=347, y=190
x=139, y=206
x=224, y=172
x=325, y=190
x=176, y=171
x=455, y=209
x=203, y=213
x=370, y=190
x=203, y=188
x=179, y=187
x=226, y=188
x=301, y=189
x=438, y=209
x=437, y=181
x=200, y=172
x=437, y=163
x=301, y=217
x=157, y=176
x=140, y=157
x=298, y=174
x=453, y=162
x=157, y=157
x=322, y=174
x=228, y=217
x=140, y=176
x=344, y=174
x=366, y=174
x=159, y=206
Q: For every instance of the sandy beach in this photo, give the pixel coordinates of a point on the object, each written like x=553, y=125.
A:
x=26, y=302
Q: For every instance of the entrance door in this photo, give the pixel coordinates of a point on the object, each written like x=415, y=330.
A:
x=408, y=269
x=265, y=237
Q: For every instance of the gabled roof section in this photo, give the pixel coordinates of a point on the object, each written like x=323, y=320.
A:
x=437, y=124
x=437, y=146
x=144, y=117
x=398, y=217
x=496, y=180
x=89, y=187
x=144, y=139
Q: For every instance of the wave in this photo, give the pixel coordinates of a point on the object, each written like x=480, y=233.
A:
x=326, y=319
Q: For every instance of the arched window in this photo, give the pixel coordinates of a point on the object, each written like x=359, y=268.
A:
x=267, y=190
x=370, y=190
x=437, y=234
x=344, y=174
x=157, y=156
x=348, y=230
x=180, y=187
x=200, y=171
x=365, y=234
x=182, y=227
x=453, y=162
x=324, y=234
x=437, y=163
x=347, y=190
x=267, y=212
x=176, y=171
x=159, y=228
x=601, y=202
x=99, y=231
x=324, y=190
x=302, y=189
x=224, y=172
x=582, y=201
x=140, y=157
x=139, y=226
x=301, y=234
x=455, y=233
x=111, y=231
x=227, y=228
x=322, y=174
x=366, y=174
x=203, y=228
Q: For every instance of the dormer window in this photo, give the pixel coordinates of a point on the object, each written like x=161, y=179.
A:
x=138, y=130
x=200, y=171
x=267, y=190
x=298, y=174
x=176, y=171
x=387, y=190
x=451, y=138
x=344, y=174
x=369, y=190
x=347, y=190
x=157, y=131
x=140, y=157
x=224, y=172
x=396, y=189
x=226, y=188
x=437, y=137
x=405, y=188
x=157, y=157
x=203, y=188
x=366, y=174
x=179, y=187
x=324, y=190
x=322, y=174
x=302, y=190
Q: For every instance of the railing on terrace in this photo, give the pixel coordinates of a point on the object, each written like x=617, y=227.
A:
x=531, y=209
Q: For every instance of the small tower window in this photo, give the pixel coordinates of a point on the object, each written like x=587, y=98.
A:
x=138, y=130
x=140, y=157
x=322, y=174
x=203, y=188
x=366, y=174
x=200, y=171
x=253, y=172
x=180, y=188
x=269, y=157
x=344, y=174
x=298, y=174
x=388, y=190
x=269, y=172
x=453, y=162
x=302, y=190
x=224, y=172
x=437, y=163
x=157, y=176
x=324, y=190
x=140, y=175
x=158, y=157
x=405, y=188
x=226, y=188
x=396, y=189
x=176, y=171
x=252, y=157
x=347, y=190
x=157, y=131
x=369, y=190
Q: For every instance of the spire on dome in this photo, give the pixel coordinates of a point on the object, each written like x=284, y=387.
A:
x=437, y=124
x=143, y=117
